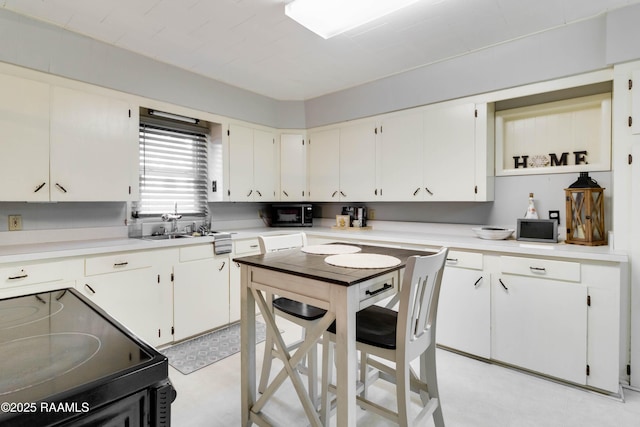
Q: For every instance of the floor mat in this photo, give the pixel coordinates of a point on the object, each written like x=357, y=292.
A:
x=202, y=351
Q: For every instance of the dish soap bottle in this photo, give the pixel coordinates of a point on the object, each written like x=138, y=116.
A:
x=532, y=213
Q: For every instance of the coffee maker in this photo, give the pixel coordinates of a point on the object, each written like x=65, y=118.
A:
x=357, y=215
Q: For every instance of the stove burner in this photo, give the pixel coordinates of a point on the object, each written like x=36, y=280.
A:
x=31, y=361
x=32, y=311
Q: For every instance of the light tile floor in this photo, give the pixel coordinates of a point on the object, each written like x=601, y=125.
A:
x=473, y=394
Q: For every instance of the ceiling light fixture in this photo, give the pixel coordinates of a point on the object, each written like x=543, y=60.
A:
x=328, y=18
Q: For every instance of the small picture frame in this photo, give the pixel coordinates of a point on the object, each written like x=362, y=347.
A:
x=343, y=221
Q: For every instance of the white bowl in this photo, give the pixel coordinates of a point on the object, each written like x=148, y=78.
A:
x=493, y=233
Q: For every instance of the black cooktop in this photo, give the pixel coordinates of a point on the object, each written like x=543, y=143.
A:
x=59, y=347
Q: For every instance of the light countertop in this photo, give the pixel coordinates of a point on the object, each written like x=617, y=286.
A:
x=397, y=234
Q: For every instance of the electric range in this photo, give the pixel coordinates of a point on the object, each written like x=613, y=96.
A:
x=66, y=362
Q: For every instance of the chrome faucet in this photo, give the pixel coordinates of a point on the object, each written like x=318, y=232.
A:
x=173, y=217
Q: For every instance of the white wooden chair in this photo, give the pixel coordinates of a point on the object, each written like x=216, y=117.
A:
x=302, y=314
x=400, y=337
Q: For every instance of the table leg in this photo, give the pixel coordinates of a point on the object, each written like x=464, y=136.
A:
x=247, y=346
x=346, y=303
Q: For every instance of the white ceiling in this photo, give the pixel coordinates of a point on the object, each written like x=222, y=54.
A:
x=251, y=43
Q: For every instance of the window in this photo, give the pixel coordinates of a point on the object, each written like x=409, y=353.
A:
x=173, y=168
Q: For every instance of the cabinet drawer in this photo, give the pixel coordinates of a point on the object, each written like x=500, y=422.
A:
x=379, y=288
x=192, y=253
x=544, y=268
x=463, y=259
x=29, y=274
x=247, y=246
x=117, y=262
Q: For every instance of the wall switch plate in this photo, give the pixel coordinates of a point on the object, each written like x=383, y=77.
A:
x=15, y=222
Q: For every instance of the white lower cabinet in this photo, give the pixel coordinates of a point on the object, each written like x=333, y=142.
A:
x=559, y=318
x=541, y=325
x=464, y=308
x=200, y=291
x=130, y=287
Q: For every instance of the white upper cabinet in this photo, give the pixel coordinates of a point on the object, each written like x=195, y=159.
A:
x=449, y=153
x=293, y=167
x=342, y=163
x=253, y=174
x=357, y=162
x=24, y=138
x=400, y=154
x=92, y=143
x=62, y=144
x=324, y=165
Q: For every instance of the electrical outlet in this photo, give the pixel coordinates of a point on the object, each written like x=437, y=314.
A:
x=371, y=214
x=259, y=213
x=15, y=222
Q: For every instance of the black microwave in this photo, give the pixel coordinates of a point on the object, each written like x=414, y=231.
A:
x=292, y=215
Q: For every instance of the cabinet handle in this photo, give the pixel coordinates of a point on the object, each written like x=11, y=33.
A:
x=222, y=266
x=39, y=187
x=452, y=260
x=428, y=191
x=285, y=193
x=64, y=190
x=253, y=246
x=475, y=285
x=416, y=192
x=540, y=270
x=40, y=300
x=86, y=285
x=22, y=276
x=120, y=264
x=334, y=193
x=250, y=192
x=377, y=291
x=343, y=195
x=503, y=285
x=259, y=193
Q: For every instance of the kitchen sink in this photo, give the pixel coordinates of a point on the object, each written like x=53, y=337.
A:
x=167, y=237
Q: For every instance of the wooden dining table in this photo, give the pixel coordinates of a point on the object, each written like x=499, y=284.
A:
x=341, y=291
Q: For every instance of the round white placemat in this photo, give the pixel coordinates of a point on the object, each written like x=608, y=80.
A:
x=330, y=249
x=362, y=260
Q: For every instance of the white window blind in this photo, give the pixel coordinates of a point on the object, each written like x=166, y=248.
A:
x=173, y=169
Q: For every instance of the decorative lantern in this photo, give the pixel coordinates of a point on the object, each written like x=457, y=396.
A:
x=585, y=212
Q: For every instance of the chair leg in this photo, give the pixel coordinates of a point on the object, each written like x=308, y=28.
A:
x=364, y=370
x=428, y=374
x=312, y=374
x=327, y=374
x=403, y=391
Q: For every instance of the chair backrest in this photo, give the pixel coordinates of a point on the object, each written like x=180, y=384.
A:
x=282, y=242
x=419, y=302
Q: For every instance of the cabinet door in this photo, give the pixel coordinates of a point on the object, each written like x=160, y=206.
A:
x=324, y=166
x=265, y=171
x=293, y=167
x=200, y=296
x=541, y=325
x=137, y=298
x=240, y=163
x=358, y=162
x=24, y=138
x=449, y=153
x=93, y=139
x=400, y=157
x=464, y=311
